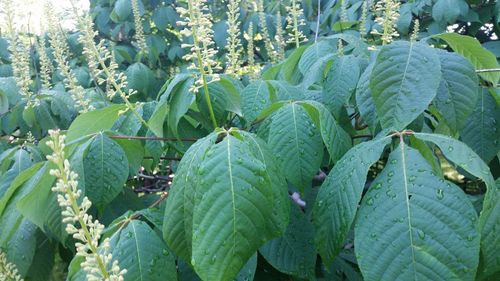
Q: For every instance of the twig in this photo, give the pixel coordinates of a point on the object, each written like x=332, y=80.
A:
x=317, y=21
x=153, y=138
x=362, y=136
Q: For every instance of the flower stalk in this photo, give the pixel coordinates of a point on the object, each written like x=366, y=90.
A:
x=98, y=264
x=139, y=30
x=20, y=57
x=234, y=43
x=388, y=15
x=295, y=20
x=198, y=24
x=45, y=64
x=102, y=64
x=60, y=50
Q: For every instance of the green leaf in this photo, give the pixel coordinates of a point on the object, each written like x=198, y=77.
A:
x=338, y=197
x=178, y=220
x=180, y=101
x=294, y=252
x=141, y=78
x=489, y=220
x=281, y=203
x=314, y=53
x=449, y=10
x=413, y=225
x=39, y=196
x=296, y=143
x=135, y=153
x=336, y=140
x=290, y=67
x=143, y=253
x=106, y=170
x=254, y=99
x=4, y=102
x=364, y=100
x=404, y=81
x=93, y=122
x=285, y=91
x=472, y=50
x=341, y=82
x=232, y=205
x=482, y=129
x=458, y=89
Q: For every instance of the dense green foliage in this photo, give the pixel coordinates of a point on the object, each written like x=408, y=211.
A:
x=350, y=158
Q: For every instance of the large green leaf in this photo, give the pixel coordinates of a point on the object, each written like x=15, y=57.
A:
x=141, y=78
x=232, y=205
x=94, y=121
x=458, y=90
x=482, y=129
x=489, y=220
x=413, y=225
x=314, y=53
x=178, y=220
x=338, y=197
x=472, y=50
x=449, y=10
x=294, y=252
x=336, y=140
x=255, y=98
x=106, y=170
x=341, y=82
x=143, y=253
x=364, y=100
x=296, y=143
x=281, y=203
x=404, y=81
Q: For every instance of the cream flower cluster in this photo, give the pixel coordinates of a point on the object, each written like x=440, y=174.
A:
x=8, y=271
x=60, y=50
x=20, y=57
x=98, y=264
x=387, y=17
x=139, y=30
x=268, y=44
x=295, y=20
x=197, y=22
x=252, y=68
x=45, y=64
x=280, y=41
x=234, y=43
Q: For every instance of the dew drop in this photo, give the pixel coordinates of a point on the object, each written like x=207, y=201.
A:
x=421, y=234
x=440, y=194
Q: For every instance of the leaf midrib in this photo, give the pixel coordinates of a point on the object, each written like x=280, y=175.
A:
x=407, y=201
x=137, y=248
x=296, y=137
x=230, y=170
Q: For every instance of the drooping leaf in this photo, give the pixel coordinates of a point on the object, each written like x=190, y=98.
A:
x=296, y=143
x=489, y=220
x=143, y=253
x=180, y=101
x=255, y=98
x=294, y=252
x=404, y=81
x=106, y=170
x=338, y=197
x=458, y=89
x=341, y=82
x=93, y=122
x=413, y=225
x=482, y=129
x=178, y=220
x=232, y=205
x=336, y=140
x=472, y=50
x=141, y=78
